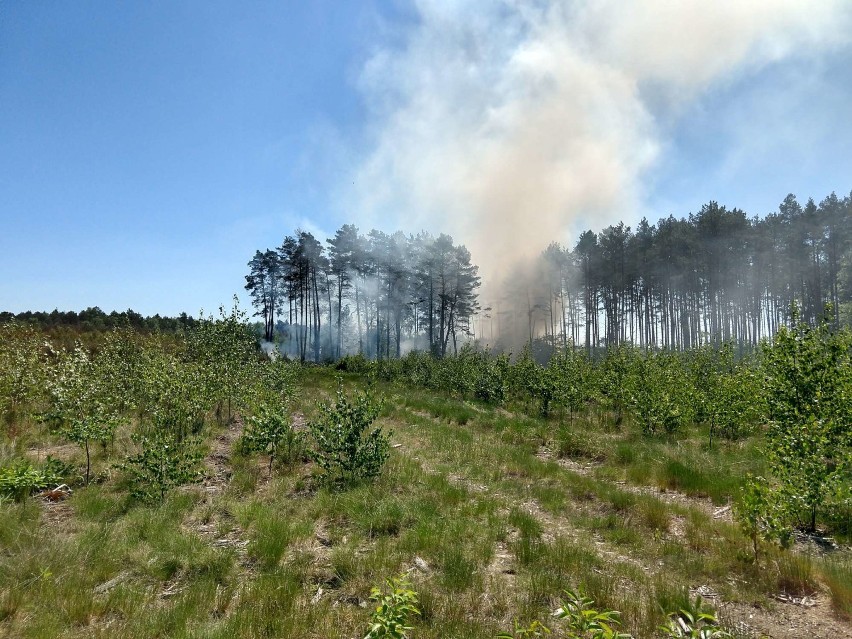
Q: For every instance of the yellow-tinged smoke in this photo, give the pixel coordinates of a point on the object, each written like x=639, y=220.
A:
x=509, y=123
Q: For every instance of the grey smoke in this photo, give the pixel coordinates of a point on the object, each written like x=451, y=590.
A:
x=509, y=123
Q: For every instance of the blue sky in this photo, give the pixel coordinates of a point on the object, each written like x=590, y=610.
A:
x=148, y=149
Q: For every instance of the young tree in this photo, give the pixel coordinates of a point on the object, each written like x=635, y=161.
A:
x=163, y=463
x=345, y=448
x=79, y=405
x=808, y=385
x=22, y=369
x=271, y=432
x=225, y=352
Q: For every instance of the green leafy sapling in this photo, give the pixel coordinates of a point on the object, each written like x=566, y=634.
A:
x=81, y=405
x=345, y=447
x=225, y=351
x=21, y=478
x=761, y=514
x=22, y=368
x=272, y=432
x=584, y=621
x=697, y=621
x=808, y=381
x=162, y=464
x=393, y=609
x=99, y=428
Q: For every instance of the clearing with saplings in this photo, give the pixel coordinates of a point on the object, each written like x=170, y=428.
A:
x=186, y=484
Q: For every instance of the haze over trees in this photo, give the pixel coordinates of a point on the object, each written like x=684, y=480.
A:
x=378, y=294
x=717, y=275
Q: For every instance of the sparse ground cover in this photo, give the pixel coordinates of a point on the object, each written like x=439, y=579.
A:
x=492, y=510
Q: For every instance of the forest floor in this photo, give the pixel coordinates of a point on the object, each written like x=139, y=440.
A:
x=492, y=512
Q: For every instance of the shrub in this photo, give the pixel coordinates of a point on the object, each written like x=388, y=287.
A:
x=573, y=379
x=20, y=479
x=585, y=621
x=272, y=432
x=353, y=364
x=56, y=471
x=21, y=368
x=734, y=409
x=345, y=448
x=620, y=375
x=85, y=431
x=82, y=402
x=808, y=381
x=225, y=353
x=761, y=514
x=491, y=382
x=163, y=463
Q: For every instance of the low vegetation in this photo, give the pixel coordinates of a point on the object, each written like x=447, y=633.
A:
x=212, y=492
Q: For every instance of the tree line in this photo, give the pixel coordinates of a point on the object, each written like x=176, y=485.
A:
x=377, y=294
x=94, y=319
x=715, y=276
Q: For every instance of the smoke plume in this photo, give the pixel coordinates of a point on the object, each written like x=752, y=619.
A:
x=507, y=124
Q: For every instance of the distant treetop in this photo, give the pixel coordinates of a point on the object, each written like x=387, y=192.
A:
x=94, y=319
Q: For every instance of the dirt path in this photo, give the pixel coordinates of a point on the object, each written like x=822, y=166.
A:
x=206, y=518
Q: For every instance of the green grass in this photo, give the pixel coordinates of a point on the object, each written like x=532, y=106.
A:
x=574, y=444
x=837, y=574
x=796, y=575
x=479, y=505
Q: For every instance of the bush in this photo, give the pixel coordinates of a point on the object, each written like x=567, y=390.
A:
x=657, y=401
x=21, y=369
x=344, y=447
x=491, y=382
x=272, y=432
x=585, y=621
x=734, y=409
x=85, y=431
x=354, y=364
x=163, y=463
x=696, y=621
x=761, y=514
x=620, y=374
x=808, y=385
